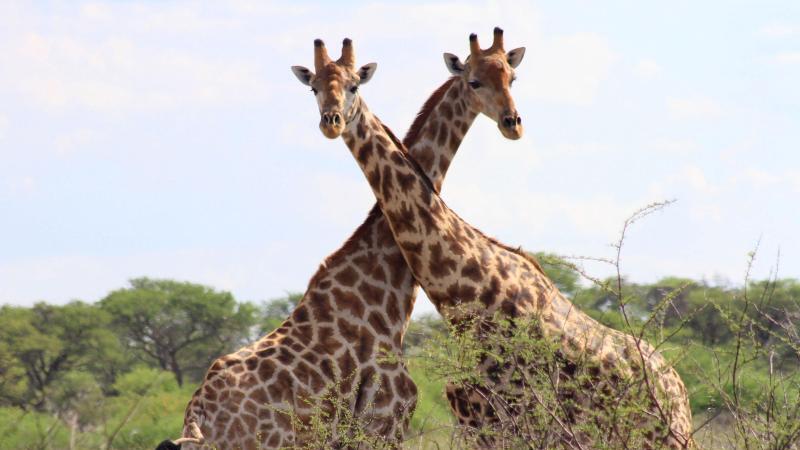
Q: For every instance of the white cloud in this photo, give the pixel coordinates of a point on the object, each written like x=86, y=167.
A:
x=447, y=23
x=96, y=11
x=177, y=18
x=787, y=58
x=23, y=184
x=691, y=185
x=3, y=127
x=779, y=30
x=759, y=178
x=522, y=214
x=341, y=199
x=704, y=200
x=706, y=212
x=763, y=179
x=647, y=68
x=794, y=180
x=697, y=180
x=573, y=150
x=258, y=272
x=127, y=56
x=50, y=274
x=566, y=69
x=116, y=74
x=679, y=146
x=599, y=214
x=574, y=68
x=75, y=141
x=693, y=108
x=122, y=57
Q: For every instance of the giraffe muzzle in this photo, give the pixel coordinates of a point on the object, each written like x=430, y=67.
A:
x=331, y=124
x=511, y=125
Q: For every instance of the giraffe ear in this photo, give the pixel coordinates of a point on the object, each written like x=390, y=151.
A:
x=454, y=65
x=514, y=57
x=303, y=74
x=366, y=72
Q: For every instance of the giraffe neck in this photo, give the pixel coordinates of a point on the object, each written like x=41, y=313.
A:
x=440, y=127
x=449, y=111
x=420, y=222
x=452, y=261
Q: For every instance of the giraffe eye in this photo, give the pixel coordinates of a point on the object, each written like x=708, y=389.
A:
x=354, y=89
x=474, y=84
x=314, y=90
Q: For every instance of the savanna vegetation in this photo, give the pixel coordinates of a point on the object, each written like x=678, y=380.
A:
x=117, y=373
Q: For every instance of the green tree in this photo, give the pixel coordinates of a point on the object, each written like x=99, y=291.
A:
x=275, y=311
x=13, y=384
x=560, y=271
x=181, y=327
x=143, y=381
x=77, y=400
x=49, y=341
x=671, y=296
x=706, y=320
x=421, y=330
x=776, y=315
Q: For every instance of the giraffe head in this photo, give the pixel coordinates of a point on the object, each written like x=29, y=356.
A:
x=490, y=74
x=335, y=86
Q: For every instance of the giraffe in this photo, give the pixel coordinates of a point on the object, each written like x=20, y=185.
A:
x=367, y=280
x=458, y=265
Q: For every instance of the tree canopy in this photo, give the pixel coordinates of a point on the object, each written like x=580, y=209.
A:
x=179, y=326
x=46, y=342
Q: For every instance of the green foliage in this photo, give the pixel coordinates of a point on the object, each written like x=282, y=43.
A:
x=705, y=320
x=30, y=430
x=76, y=374
x=737, y=349
x=535, y=392
x=755, y=377
x=13, y=382
x=48, y=341
x=143, y=381
x=432, y=412
x=275, y=311
x=420, y=331
x=134, y=421
x=181, y=327
x=315, y=430
x=142, y=421
x=77, y=399
x=559, y=271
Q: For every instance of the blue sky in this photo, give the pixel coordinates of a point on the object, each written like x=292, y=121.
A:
x=170, y=139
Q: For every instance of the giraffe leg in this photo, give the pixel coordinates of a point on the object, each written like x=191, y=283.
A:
x=196, y=438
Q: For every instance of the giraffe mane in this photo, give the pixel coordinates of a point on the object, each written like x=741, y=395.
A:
x=525, y=255
x=517, y=250
x=412, y=135
x=414, y=163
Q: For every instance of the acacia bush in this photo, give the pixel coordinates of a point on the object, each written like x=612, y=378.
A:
x=737, y=350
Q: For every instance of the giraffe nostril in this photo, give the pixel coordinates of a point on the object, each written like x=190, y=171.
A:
x=519, y=120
